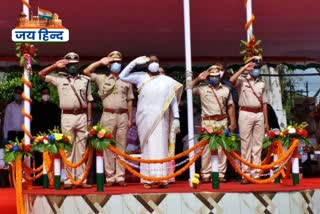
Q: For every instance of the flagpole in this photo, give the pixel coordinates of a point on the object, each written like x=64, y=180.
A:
x=187, y=42
x=26, y=78
x=249, y=17
x=26, y=127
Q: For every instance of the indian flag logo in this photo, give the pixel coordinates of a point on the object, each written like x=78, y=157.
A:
x=44, y=14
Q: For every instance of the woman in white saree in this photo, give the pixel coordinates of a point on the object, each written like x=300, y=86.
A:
x=157, y=114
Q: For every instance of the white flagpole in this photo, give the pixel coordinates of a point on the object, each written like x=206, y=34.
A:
x=26, y=90
x=249, y=15
x=187, y=42
x=26, y=9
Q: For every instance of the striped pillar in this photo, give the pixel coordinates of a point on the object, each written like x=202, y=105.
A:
x=45, y=179
x=99, y=171
x=215, y=170
x=57, y=172
x=295, y=166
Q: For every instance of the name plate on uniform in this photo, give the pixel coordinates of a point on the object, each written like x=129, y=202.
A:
x=40, y=35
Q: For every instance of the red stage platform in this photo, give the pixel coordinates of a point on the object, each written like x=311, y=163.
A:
x=232, y=197
x=183, y=187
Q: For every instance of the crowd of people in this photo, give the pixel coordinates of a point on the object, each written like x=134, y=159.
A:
x=154, y=99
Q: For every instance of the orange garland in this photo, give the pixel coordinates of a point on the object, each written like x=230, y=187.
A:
x=25, y=81
x=86, y=172
x=252, y=18
x=246, y=27
x=252, y=180
x=74, y=165
x=32, y=178
x=26, y=131
x=19, y=196
x=24, y=113
x=294, y=145
x=30, y=170
x=122, y=154
x=179, y=172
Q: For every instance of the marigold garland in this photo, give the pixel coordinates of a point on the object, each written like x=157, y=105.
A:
x=179, y=172
x=266, y=160
x=124, y=155
x=74, y=165
x=25, y=130
x=29, y=170
x=86, y=172
x=19, y=196
x=32, y=178
x=291, y=149
x=252, y=180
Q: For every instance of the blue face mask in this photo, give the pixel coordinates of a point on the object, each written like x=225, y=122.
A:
x=214, y=80
x=255, y=73
x=115, y=67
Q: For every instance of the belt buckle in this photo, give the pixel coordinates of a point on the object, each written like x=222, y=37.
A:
x=117, y=111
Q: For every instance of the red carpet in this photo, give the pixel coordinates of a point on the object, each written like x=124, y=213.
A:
x=182, y=187
x=8, y=201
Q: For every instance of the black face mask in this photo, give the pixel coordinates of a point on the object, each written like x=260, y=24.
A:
x=72, y=69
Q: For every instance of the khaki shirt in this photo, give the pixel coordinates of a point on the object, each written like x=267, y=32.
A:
x=114, y=92
x=67, y=98
x=246, y=96
x=209, y=104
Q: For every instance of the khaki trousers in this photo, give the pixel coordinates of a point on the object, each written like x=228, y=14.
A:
x=118, y=124
x=206, y=155
x=251, y=128
x=76, y=127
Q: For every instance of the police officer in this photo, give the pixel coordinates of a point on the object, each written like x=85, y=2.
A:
x=74, y=92
x=216, y=107
x=253, y=115
x=117, y=97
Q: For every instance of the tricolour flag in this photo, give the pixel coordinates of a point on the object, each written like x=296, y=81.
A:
x=44, y=14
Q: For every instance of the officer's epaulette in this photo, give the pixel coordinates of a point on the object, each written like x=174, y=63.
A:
x=84, y=76
x=63, y=73
x=204, y=83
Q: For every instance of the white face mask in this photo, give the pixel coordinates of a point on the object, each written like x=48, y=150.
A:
x=153, y=67
x=45, y=97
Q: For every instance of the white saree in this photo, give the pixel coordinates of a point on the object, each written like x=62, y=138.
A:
x=153, y=116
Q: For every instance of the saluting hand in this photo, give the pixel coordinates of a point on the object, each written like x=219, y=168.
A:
x=106, y=60
x=203, y=75
x=142, y=60
x=249, y=66
x=60, y=64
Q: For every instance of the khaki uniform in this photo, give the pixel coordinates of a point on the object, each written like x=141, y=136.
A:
x=74, y=124
x=210, y=107
x=115, y=95
x=251, y=124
